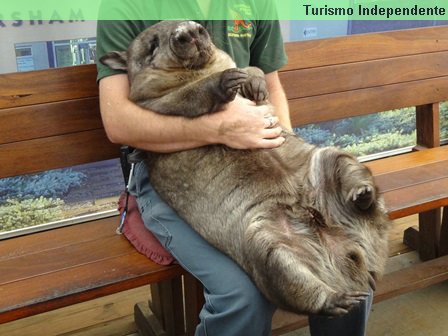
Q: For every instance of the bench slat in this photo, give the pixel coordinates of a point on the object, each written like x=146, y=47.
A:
x=413, y=182
x=402, y=162
x=412, y=176
x=44, y=120
x=59, y=238
x=365, y=101
x=67, y=150
x=64, y=258
x=412, y=278
x=339, y=50
x=66, y=287
x=44, y=86
x=83, y=268
x=360, y=75
x=418, y=198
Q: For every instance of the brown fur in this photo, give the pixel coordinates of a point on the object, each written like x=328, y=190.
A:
x=306, y=224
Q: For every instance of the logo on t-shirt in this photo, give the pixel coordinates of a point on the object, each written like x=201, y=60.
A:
x=240, y=28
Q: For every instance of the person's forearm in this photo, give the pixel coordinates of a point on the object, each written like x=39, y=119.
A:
x=127, y=123
x=278, y=98
x=240, y=125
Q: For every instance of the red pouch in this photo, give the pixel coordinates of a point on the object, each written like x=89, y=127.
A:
x=139, y=236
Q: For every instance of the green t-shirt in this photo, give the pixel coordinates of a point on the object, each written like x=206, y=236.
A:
x=249, y=43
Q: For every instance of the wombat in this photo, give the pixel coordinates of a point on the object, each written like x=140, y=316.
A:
x=306, y=223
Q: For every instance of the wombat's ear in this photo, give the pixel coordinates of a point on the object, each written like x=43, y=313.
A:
x=116, y=60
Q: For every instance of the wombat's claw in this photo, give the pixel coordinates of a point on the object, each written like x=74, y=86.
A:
x=231, y=81
x=255, y=89
x=341, y=303
x=362, y=196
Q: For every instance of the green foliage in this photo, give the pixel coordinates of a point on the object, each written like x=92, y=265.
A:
x=50, y=184
x=444, y=120
x=380, y=143
x=16, y=214
x=315, y=135
x=365, y=134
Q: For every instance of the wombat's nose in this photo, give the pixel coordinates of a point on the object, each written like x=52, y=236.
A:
x=185, y=37
x=189, y=32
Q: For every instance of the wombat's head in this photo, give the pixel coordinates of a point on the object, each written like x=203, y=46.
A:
x=357, y=255
x=165, y=45
x=344, y=194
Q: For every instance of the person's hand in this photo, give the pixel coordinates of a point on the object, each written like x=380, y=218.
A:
x=244, y=125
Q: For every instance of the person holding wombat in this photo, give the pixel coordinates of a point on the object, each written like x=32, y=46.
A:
x=234, y=305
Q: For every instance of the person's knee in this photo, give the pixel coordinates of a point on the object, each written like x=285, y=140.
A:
x=233, y=312
x=250, y=301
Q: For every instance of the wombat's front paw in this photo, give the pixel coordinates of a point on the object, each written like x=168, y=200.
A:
x=340, y=303
x=230, y=81
x=362, y=196
x=255, y=89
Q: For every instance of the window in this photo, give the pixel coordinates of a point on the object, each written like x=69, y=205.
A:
x=57, y=197
x=369, y=136
x=54, y=54
x=74, y=52
x=444, y=122
x=39, y=44
x=24, y=58
x=24, y=51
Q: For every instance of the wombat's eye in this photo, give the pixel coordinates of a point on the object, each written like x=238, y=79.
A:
x=201, y=30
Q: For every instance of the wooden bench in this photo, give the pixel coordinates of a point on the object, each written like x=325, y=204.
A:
x=50, y=119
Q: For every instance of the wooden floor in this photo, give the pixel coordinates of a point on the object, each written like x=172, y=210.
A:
x=396, y=246
x=113, y=315
x=420, y=313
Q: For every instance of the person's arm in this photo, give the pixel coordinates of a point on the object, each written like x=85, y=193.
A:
x=240, y=125
x=277, y=98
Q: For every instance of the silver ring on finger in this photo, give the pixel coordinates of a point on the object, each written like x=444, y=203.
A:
x=271, y=122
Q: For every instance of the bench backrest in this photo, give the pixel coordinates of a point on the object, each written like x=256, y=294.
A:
x=50, y=118
x=355, y=75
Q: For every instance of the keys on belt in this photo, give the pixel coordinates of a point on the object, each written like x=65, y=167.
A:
x=129, y=157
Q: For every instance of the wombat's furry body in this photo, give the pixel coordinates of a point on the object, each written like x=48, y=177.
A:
x=305, y=223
